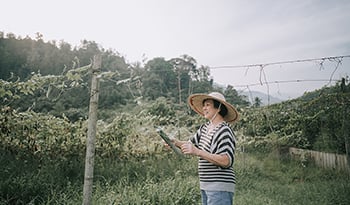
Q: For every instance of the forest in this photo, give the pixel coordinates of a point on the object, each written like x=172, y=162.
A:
x=45, y=92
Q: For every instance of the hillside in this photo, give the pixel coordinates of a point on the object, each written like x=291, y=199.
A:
x=318, y=120
x=265, y=99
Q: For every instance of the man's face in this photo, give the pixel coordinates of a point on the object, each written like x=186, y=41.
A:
x=208, y=109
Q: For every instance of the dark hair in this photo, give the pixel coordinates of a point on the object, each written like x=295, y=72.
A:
x=223, y=109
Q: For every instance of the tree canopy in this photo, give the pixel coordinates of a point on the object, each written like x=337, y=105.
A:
x=175, y=79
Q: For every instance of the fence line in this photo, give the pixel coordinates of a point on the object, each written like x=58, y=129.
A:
x=322, y=159
x=337, y=59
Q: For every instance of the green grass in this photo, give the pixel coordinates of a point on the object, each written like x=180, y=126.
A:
x=271, y=181
x=165, y=179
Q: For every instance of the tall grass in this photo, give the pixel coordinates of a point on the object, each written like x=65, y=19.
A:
x=166, y=179
x=269, y=180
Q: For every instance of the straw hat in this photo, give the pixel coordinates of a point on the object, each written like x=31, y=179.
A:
x=196, y=103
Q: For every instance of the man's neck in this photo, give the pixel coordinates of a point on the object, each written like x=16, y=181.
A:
x=217, y=120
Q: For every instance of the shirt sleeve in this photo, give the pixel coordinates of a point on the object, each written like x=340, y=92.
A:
x=225, y=144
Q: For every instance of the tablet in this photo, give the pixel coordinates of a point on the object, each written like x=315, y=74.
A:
x=169, y=142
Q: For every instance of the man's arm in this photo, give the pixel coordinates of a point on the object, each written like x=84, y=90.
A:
x=221, y=160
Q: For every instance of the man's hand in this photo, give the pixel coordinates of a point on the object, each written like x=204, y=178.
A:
x=189, y=148
x=173, y=140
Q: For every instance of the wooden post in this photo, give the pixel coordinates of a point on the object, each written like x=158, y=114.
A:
x=91, y=134
x=346, y=134
x=179, y=83
x=346, y=119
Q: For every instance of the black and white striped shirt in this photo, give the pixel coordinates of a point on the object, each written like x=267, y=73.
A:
x=221, y=140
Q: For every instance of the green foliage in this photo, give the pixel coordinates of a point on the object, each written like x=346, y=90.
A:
x=319, y=123
x=47, y=77
x=41, y=136
x=46, y=144
x=159, y=80
x=163, y=179
x=28, y=179
x=154, y=179
x=112, y=137
x=232, y=96
x=257, y=102
x=16, y=89
x=52, y=70
x=164, y=110
x=132, y=163
x=269, y=180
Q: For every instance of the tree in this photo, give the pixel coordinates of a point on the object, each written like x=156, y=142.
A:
x=202, y=83
x=233, y=97
x=257, y=102
x=159, y=79
x=19, y=58
x=13, y=58
x=86, y=50
x=185, y=68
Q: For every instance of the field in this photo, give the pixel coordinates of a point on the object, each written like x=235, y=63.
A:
x=165, y=179
x=44, y=127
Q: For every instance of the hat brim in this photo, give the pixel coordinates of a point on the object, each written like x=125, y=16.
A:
x=195, y=101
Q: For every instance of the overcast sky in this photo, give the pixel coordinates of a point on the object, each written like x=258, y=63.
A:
x=214, y=32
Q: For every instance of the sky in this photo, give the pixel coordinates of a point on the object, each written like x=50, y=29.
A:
x=214, y=32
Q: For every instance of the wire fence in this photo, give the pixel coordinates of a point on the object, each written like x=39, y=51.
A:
x=321, y=63
x=322, y=159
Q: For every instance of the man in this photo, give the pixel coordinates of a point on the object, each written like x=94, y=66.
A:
x=214, y=144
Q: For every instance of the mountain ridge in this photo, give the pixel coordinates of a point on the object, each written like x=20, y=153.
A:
x=265, y=98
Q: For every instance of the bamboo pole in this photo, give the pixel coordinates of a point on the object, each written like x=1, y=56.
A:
x=91, y=134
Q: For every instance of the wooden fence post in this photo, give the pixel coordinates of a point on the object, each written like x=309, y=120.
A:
x=346, y=124
x=91, y=134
